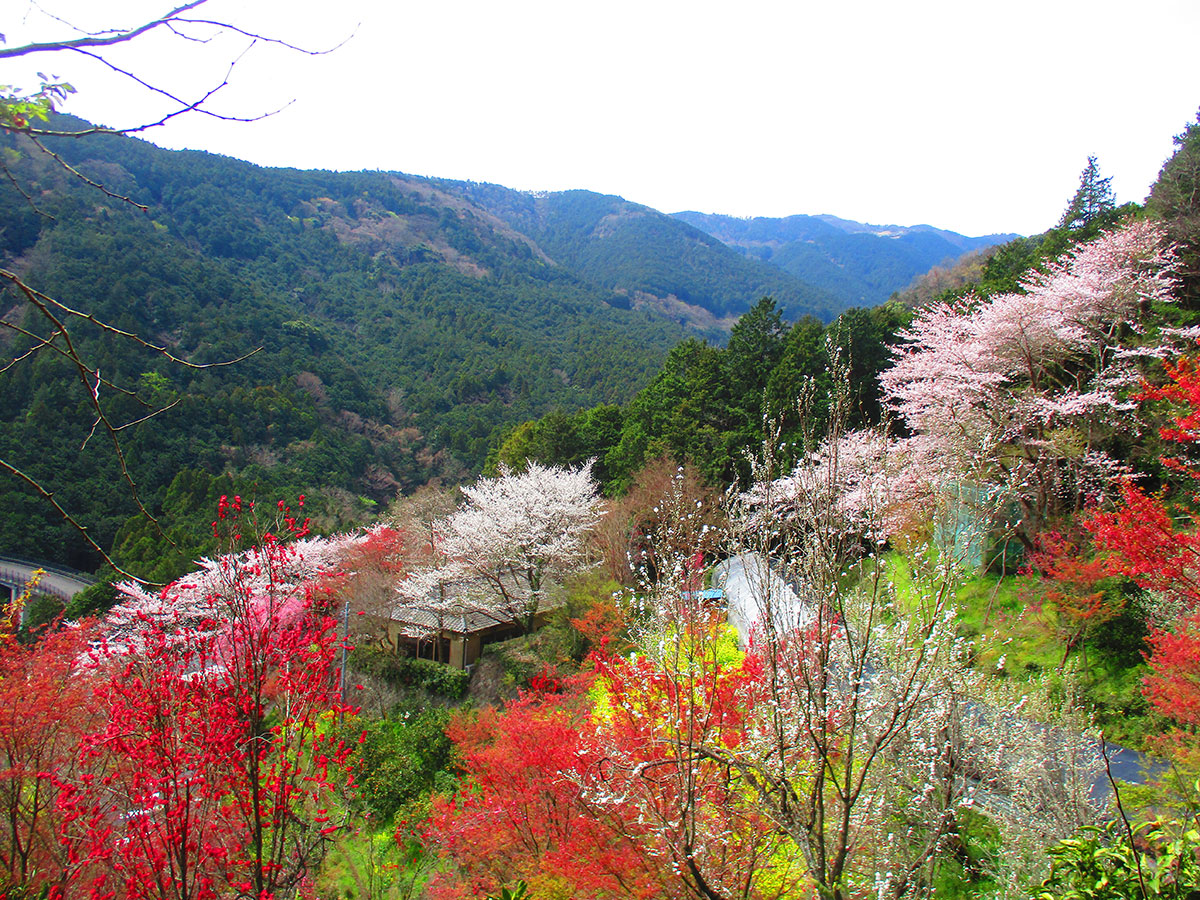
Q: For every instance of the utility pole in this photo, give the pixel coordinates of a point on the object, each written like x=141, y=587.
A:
x=345, y=642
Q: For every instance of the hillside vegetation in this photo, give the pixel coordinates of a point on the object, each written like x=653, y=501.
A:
x=828, y=609
x=398, y=327
x=861, y=264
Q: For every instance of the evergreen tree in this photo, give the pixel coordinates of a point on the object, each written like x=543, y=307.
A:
x=1175, y=198
x=1092, y=200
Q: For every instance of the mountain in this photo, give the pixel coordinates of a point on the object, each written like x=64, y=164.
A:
x=859, y=264
x=399, y=330
x=394, y=328
x=648, y=259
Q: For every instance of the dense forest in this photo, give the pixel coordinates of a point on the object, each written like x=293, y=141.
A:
x=397, y=327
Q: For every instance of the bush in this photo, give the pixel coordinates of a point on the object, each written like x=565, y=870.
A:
x=408, y=672
x=401, y=759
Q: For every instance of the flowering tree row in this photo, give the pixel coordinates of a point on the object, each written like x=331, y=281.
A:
x=1017, y=397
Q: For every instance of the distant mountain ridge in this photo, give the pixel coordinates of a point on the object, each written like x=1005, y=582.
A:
x=395, y=327
x=858, y=263
x=645, y=257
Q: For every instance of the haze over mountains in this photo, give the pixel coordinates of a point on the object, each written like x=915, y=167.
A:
x=860, y=264
x=405, y=323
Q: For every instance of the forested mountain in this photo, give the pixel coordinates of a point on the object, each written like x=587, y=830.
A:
x=860, y=265
x=398, y=325
x=647, y=258
x=400, y=330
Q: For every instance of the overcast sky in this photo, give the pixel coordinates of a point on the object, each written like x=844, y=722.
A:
x=973, y=116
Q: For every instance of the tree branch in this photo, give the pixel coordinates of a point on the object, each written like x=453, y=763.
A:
x=103, y=39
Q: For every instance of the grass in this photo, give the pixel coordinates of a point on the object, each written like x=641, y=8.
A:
x=1014, y=635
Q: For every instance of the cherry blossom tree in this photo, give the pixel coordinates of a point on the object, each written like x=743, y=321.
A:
x=512, y=537
x=873, y=734
x=1020, y=390
x=233, y=585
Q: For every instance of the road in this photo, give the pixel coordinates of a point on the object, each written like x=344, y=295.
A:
x=56, y=580
x=746, y=578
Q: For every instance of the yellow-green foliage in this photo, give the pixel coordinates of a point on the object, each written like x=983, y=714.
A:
x=721, y=646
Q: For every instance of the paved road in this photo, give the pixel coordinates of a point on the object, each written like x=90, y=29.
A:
x=57, y=581
x=746, y=578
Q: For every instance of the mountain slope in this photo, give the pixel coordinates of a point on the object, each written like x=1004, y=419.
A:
x=401, y=331
x=861, y=265
x=648, y=258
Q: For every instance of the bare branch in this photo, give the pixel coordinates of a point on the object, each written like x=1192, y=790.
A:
x=68, y=518
x=184, y=105
x=20, y=190
x=1133, y=850
x=253, y=35
x=56, y=314
x=38, y=298
x=105, y=39
x=89, y=182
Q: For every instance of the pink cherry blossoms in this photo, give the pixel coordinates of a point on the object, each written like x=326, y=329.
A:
x=1017, y=390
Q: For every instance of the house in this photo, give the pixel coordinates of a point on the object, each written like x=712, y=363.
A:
x=458, y=619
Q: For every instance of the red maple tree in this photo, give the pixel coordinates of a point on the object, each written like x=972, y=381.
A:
x=1072, y=579
x=1155, y=541
x=44, y=711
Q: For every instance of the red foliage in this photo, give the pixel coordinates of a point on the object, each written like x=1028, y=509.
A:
x=1072, y=582
x=1161, y=551
x=1173, y=686
x=630, y=799
x=1183, y=388
x=670, y=729
x=521, y=814
x=206, y=774
x=602, y=622
x=44, y=710
x=384, y=549
x=1149, y=546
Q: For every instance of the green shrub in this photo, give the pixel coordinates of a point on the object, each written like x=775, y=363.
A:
x=406, y=671
x=401, y=759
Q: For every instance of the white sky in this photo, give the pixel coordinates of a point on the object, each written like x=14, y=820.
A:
x=968, y=115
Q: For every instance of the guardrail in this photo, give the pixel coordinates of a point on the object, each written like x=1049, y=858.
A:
x=73, y=574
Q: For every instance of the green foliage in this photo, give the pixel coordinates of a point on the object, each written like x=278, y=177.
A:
x=707, y=405
x=965, y=870
x=635, y=250
x=1175, y=200
x=519, y=891
x=40, y=610
x=1093, y=199
x=401, y=759
x=19, y=110
x=381, y=362
x=1106, y=863
x=409, y=672
x=95, y=601
x=21, y=892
